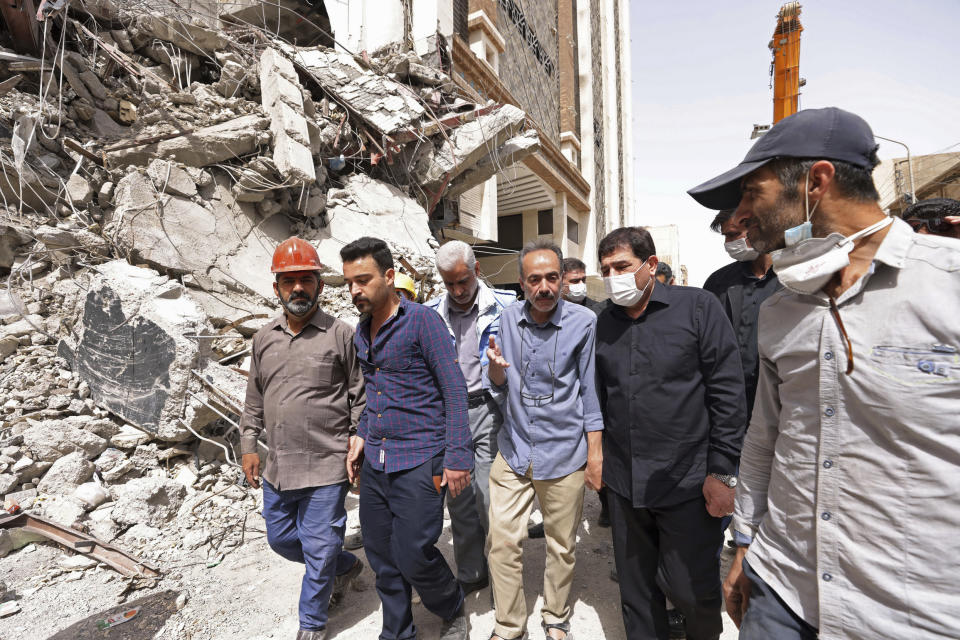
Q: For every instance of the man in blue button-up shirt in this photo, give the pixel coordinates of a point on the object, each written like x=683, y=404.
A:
x=542, y=374
x=416, y=440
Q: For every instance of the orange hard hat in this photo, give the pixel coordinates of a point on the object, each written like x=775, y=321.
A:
x=295, y=254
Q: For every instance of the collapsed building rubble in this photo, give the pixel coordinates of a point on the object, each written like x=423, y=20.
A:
x=149, y=164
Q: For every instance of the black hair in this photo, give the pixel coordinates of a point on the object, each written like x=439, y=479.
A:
x=541, y=244
x=721, y=217
x=367, y=246
x=573, y=264
x=853, y=181
x=636, y=238
x=664, y=269
x=932, y=208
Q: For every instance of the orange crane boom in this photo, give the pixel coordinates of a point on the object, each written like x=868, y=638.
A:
x=785, y=46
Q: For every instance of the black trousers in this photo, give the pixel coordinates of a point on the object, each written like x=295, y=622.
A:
x=401, y=515
x=667, y=553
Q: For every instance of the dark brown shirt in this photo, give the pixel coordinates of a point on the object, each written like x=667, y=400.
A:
x=306, y=392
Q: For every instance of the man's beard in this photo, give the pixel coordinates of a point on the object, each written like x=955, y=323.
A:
x=765, y=230
x=299, y=304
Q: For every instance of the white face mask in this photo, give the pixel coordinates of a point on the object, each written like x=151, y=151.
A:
x=576, y=291
x=740, y=251
x=809, y=264
x=622, y=288
x=804, y=230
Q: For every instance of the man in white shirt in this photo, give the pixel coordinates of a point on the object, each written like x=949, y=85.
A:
x=847, y=509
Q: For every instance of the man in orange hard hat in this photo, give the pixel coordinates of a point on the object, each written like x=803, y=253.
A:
x=305, y=393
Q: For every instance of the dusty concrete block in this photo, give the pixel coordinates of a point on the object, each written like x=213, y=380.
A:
x=49, y=440
x=90, y=494
x=8, y=482
x=76, y=563
x=272, y=59
x=149, y=501
x=133, y=351
x=285, y=120
x=57, y=239
x=129, y=437
x=65, y=510
x=206, y=146
x=106, y=530
x=79, y=190
x=172, y=179
x=8, y=346
x=66, y=474
x=293, y=159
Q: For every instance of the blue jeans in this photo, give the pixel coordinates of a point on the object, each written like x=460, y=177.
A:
x=306, y=526
x=768, y=616
x=402, y=516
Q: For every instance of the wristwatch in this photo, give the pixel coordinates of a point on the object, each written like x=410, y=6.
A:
x=730, y=481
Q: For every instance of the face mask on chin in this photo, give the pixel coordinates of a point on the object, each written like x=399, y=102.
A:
x=576, y=292
x=740, y=251
x=808, y=265
x=622, y=288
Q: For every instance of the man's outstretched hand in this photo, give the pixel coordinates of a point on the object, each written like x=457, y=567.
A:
x=498, y=365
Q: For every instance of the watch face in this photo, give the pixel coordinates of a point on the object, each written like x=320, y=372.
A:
x=733, y=482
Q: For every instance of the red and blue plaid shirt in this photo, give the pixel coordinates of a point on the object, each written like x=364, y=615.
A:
x=416, y=393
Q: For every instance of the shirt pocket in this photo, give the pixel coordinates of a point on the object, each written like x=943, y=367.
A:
x=917, y=365
x=316, y=371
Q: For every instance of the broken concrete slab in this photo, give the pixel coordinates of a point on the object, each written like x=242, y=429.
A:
x=50, y=440
x=56, y=239
x=369, y=207
x=293, y=159
x=168, y=177
x=467, y=145
x=148, y=501
x=282, y=99
x=136, y=349
x=382, y=103
x=513, y=150
x=203, y=147
x=66, y=474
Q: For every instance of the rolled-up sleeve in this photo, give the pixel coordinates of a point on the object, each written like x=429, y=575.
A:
x=251, y=423
x=756, y=460
x=441, y=358
x=586, y=365
x=725, y=394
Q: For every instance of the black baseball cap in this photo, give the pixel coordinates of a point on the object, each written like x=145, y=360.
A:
x=824, y=134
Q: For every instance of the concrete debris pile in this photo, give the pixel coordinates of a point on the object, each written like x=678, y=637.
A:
x=149, y=165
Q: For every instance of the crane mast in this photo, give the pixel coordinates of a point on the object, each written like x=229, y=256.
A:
x=785, y=46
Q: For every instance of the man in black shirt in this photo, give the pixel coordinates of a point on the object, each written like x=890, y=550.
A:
x=671, y=391
x=741, y=287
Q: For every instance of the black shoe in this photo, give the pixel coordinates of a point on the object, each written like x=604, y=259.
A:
x=476, y=585
x=353, y=541
x=312, y=635
x=678, y=629
x=342, y=582
x=535, y=531
x=455, y=628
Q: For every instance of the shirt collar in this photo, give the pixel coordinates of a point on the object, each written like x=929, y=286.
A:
x=321, y=320
x=555, y=319
x=746, y=270
x=893, y=250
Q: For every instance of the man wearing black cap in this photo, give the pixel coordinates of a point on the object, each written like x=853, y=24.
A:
x=847, y=495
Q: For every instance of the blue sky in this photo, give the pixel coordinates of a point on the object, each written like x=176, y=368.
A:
x=701, y=80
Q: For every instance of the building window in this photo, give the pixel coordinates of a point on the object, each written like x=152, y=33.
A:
x=573, y=230
x=545, y=222
x=510, y=232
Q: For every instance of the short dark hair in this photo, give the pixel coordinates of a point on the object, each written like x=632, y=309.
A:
x=637, y=239
x=932, y=208
x=664, y=269
x=367, y=246
x=853, y=181
x=721, y=217
x=573, y=264
x=541, y=244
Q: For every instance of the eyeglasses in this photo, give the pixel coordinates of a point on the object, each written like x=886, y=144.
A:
x=528, y=399
x=933, y=225
x=843, y=330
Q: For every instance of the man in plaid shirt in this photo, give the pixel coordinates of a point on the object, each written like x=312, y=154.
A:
x=415, y=440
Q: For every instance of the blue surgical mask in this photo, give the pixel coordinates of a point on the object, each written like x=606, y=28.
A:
x=802, y=231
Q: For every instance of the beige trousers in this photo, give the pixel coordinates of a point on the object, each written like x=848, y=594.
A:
x=511, y=500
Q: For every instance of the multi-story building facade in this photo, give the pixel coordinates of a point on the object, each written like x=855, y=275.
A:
x=567, y=64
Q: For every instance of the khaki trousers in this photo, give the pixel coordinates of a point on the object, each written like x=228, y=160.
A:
x=511, y=501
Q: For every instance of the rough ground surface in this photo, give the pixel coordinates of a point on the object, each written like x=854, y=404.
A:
x=253, y=594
